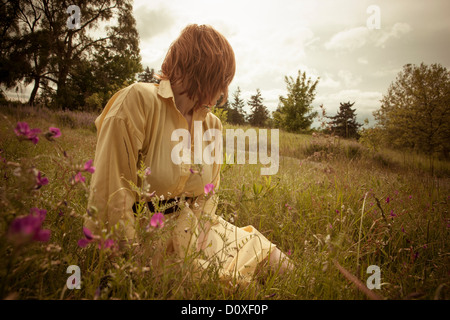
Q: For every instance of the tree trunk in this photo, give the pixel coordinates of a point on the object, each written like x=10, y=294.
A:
x=37, y=81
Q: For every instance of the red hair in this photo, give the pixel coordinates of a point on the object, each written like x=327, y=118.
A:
x=202, y=61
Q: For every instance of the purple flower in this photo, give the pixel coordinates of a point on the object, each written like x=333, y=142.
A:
x=208, y=188
x=107, y=244
x=55, y=132
x=88, y=234
x=40, y=181
x=23, y=130
x=79, y=178
x=147, y=172
x=88, y=166
x=393, y=214
x=410, y=197
x=387, y=200
x=33, y=135
x=157, y=220
x=88, y=238
x=29, y=227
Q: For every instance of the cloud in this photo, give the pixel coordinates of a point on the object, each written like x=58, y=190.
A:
x=355, y=38
x=383, y=72
x=152, y=22
x=396, y=31
x=348, y=40
x=327, y=81
x=348, y=78
x=362, y=60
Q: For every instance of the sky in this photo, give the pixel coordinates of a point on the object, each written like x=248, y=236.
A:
x=355, y=48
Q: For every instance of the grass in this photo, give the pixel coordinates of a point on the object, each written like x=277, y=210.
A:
x=331, y=203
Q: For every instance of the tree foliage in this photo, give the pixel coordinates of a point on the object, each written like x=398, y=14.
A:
x=344, y=123
x=148, y=75
x=294, y=112
x=236, y=112
x=259, y=114
x=64, y=61
x=415, y=112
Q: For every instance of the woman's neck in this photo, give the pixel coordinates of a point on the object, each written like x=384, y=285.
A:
x=182, y=102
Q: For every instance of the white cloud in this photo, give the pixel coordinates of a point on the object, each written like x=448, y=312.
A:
x=348, y=40
x=327, y=81
x=383, y=72
x=355, y=38
x=362, y=60
x=348, y=78
x=396, y=31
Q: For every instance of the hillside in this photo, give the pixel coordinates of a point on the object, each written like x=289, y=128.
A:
x=334, y=206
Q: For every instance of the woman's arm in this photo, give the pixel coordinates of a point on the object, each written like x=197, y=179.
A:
x=116, y=159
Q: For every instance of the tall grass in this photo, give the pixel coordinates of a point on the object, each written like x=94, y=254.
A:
x=332, y=201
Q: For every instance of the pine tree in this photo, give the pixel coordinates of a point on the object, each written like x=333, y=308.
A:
x=236, y=112
x=344, y=123
x=259, y=112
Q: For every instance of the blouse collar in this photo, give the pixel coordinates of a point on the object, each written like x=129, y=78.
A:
x=165, y=91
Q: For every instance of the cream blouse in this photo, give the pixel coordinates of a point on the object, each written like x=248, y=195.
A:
x=137, y=125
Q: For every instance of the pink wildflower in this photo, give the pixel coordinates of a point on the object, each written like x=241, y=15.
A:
x=209, y=188
x=56, y=133
x=23, y=130
x=88, y=238
x=79, y=178
x=88, y=166
x=53, y=133
x=157, y=220
x=29, y=227
x=40, y=181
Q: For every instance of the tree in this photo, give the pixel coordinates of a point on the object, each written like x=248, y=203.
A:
x=415, y=112
x=148, y=75
x=294, y=112
x=25, y=45
x=344, y=123
x=236, y=113
x=53, y=51
x=259, y=113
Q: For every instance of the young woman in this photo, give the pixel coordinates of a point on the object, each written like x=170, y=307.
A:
x=136, y=127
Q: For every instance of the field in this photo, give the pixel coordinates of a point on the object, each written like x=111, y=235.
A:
x=335, y=207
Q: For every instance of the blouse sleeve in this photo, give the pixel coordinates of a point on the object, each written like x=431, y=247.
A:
x=116, y=159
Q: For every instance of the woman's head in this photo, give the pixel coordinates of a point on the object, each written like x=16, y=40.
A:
x=201, y=61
